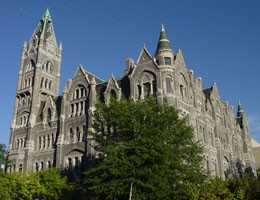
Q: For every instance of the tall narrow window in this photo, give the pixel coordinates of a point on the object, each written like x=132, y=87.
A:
x=48, y=141
x=42, y=80
x=49, y=116
x=20, y=167
x=36, y=167
x=76, y=162
x=50, y=85
x=168, y=81
x=78, y=134
x=70, y=162
x=167, y=61
x=84, y=133
x=139, y=91
x=44, y=142
x=42, y=165
x=147, y=89
x=40, y=142
x=71, y=135
x=52, y=140
x=49, y=164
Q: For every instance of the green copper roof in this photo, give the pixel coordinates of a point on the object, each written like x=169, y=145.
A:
x=45, y=28
x=163, y=43
x=240, y=110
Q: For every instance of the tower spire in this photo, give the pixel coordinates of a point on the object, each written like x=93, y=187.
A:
x=240, y=110
x=163, y=43
x=44, y=31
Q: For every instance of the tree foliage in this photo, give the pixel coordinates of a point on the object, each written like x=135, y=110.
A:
x=144, y=143
x=2, y=154
x=42, y=185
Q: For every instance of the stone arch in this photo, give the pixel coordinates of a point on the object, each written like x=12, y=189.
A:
x=183, y=86
x=79, y=90
x=48, y=67
x=73, y=158
x=146, y=85
x=168, y=84
x=30, y=65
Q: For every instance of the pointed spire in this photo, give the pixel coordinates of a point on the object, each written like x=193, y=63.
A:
x=24, y=47
x=45, y=29
x=240, y=110
x=163, y=42
x=93, y=81
x=60, y=47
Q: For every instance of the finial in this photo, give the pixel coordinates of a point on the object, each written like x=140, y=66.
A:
x=163, y=28
x=60, y=47
x=24, y=44
x=93, y=81
x=240, y=109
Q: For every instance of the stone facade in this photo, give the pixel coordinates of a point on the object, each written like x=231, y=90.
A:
x=49, y=130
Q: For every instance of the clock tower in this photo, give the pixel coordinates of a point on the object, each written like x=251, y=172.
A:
x=38, y=80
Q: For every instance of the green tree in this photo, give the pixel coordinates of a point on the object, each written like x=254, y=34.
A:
x=144, y=143
x=43, y=185
x=2, y=155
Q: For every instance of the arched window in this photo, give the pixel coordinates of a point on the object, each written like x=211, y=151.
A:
x=48, y=67
x=168, y=84
x=49, y=116
x=48, y=141
x=21, y=141
x=20, y=167
x=52, y=140
x=40, y=142
x=30, y=66
x=42, y=82
x=71, y=136
x=36, y=167
x=84, y=130
x=49, y=164
x=50, y=85
x=17, y=143
x=113, y=94
x=183, y=87
x=147, y=85
x=46, y=83
x=42, y=164
x=79, y=92
x=44, y=142
x=78, y=134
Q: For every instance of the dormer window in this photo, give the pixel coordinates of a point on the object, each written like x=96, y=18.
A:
x=167, y=61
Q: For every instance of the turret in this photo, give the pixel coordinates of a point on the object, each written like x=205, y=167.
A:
x=164, y=53
x=240, y=110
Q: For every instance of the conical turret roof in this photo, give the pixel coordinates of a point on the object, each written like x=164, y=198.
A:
x=240, y=110
x=163, y=43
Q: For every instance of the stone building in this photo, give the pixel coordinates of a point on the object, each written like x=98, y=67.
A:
x=49, y=130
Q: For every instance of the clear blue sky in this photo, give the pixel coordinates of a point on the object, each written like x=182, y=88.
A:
x=220, y=41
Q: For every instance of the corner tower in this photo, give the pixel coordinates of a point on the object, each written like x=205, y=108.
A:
x=164, y=53
x=38, y=79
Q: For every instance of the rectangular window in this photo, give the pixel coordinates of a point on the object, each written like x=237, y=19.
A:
x=167, y=61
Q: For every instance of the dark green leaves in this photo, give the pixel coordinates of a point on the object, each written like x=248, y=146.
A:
x=144, y=143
